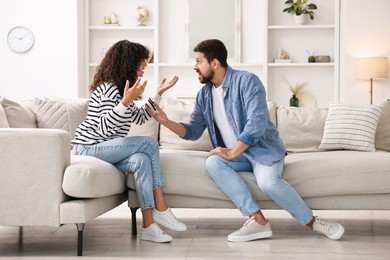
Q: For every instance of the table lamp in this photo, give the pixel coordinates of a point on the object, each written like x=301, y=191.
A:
x=370, y=69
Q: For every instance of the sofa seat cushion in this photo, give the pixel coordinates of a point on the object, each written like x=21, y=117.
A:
x=341, y=172
x=315, y=174
x=90, y=177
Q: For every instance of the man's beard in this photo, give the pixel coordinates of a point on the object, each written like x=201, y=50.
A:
x=206, y=78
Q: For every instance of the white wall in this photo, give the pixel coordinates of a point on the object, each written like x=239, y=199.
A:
x=364, y=33
x=53, y=68
x=50, y=68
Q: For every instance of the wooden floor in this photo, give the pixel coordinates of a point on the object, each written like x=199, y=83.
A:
x=367, y=236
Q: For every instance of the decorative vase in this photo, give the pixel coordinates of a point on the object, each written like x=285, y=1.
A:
x=294, y=101
x=299, y=19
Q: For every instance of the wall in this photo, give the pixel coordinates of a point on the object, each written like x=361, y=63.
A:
x=364, y=33
x=51, y=67
x=54, y=67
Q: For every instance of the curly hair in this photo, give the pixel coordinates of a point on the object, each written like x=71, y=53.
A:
x=213, y=49
x=120, y=63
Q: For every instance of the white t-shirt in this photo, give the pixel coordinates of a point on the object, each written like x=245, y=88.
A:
x=220, y=118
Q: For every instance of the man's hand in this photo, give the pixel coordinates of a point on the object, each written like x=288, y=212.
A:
x=164, y=86
x=221, y=151
x=159, y=115
x=130, y=94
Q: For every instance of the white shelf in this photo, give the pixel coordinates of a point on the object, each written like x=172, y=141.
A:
x=301, y=27
x=318, y=64
x=119, y=28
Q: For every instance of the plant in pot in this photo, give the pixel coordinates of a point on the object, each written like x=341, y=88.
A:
x=295, y=90
x=300, y=8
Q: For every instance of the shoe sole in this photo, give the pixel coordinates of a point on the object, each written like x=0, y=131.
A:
x=152, y=239
x=169, y=225
x=265, y=234
x=338, y=235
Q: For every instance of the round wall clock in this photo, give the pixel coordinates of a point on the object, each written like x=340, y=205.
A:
x=20, y=39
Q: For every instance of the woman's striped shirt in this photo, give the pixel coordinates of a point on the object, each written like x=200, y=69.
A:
x=108, y=118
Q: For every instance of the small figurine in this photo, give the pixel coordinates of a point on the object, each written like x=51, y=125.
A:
x=282, y=55
x=142, y=15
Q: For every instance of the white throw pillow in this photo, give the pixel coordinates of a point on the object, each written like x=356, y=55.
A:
x=382, y=136
x=19, y=115
x=180, y=111
x=3, y=118
x=350, y=127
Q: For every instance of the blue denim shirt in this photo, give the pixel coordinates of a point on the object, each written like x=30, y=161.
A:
x=247, y=113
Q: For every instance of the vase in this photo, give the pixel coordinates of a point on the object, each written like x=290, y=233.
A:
x=299, y=19
x=294, y=101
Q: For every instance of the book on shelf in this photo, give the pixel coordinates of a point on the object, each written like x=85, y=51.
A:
x=282, y=60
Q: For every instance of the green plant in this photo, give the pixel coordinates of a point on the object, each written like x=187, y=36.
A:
x=300, y=7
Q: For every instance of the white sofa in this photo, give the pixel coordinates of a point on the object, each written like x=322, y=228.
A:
x=327, y=179
x=43, y=185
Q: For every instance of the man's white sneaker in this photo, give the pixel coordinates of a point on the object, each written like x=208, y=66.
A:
x=155, y=234
x=251, y=230
x=332, y=230
x=167, y=219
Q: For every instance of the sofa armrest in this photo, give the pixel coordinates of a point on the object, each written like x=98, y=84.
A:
x=32, y=164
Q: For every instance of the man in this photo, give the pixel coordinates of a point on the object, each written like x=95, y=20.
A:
x=232, y=106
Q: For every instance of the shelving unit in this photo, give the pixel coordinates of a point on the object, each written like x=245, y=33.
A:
x=264, y=29
x=320, y=34
x=99, y=37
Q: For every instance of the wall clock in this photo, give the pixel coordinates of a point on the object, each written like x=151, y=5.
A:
x=20, y=39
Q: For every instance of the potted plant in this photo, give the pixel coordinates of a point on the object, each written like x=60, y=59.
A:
x=295, y=90
x=299, y=8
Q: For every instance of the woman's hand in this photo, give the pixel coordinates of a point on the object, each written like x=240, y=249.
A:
x=164, y=86
x=130, y=94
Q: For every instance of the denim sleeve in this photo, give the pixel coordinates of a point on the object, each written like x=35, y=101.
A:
x=197, y=123
x=256, y=111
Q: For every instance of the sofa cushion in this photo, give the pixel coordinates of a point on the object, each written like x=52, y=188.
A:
x=90, y=177
x=350, y=127
x=382, y=136
x=149, y=128
x=180, y=111
x=65, y=114
x=19, y=115
x=301, y=128
x=3, y=118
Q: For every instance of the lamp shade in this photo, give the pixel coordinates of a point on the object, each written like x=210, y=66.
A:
x=371, y=68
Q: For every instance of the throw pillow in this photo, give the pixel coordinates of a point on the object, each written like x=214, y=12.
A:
x=350, y=127
x=3, y=118
x=180, y=111
x=65, y=114
x=382, y=136
x=18, y=115
x=301, y=128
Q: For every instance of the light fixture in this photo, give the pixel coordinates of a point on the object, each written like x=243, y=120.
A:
x=370, y=69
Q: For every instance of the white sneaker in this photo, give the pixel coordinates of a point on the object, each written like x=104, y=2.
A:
x=332, y=230
x=251, y=230
x=167, y=219
x=155, y=234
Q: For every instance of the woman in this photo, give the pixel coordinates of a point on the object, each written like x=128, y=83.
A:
x=103, y=134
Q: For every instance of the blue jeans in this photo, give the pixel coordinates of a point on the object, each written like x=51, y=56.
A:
x=269, y=180
x=138, y=155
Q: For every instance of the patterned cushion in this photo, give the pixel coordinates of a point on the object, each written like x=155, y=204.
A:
x=61, y=113
x=350, y=127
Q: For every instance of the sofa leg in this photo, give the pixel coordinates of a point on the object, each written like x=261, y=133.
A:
x=20, y=240
x=80, y=228
x=134, y=220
